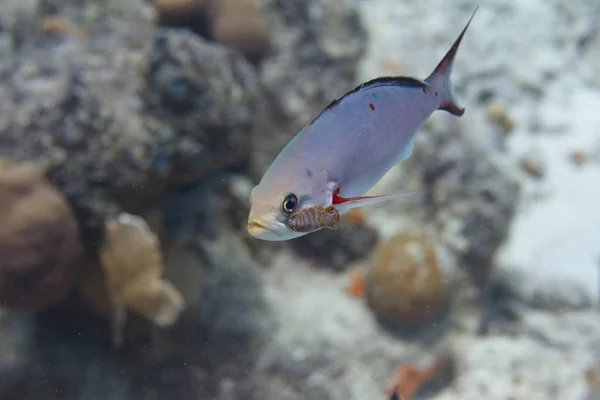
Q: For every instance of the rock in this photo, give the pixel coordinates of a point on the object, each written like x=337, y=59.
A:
x=405, y=282
x=177, y=13
x=497, y=114
x=18, y=21
x=208, y=95
x=532, y=166
x=240, y=25
x=40, y=243
x=528, y=364
x=29, y=24
x=470, y=196
x=195, y=211
x=185, y=269
x=113, y=15
x=232, y=308
x=315, y=48
x=551, y=257
x=337, y=249
x=60, y=27
x=86, y=124
x=117, y=136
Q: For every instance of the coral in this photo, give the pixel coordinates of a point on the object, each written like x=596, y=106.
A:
x=95, y=14
x=132, y=265
x=40, y=247
x=579, y=158
x=405, y=283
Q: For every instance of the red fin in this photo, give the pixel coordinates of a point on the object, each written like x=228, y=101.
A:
x=344, y=204
x=341, y=200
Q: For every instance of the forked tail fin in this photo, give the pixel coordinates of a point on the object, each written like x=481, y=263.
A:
x=440, y=77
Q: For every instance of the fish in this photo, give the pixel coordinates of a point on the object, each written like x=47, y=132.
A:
x=328, y=166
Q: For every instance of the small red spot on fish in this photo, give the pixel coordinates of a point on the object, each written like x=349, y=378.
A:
x=371, y=106
x=436, y=93
x=425, y=90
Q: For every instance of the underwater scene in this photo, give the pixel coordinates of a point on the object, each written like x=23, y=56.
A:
x=299, y=200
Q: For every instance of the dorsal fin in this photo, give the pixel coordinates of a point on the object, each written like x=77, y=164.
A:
x=406, y=81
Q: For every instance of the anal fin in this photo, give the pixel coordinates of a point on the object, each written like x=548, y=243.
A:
x=344, y=204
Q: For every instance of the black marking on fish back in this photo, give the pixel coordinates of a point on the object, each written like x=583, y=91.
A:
x=405, y=81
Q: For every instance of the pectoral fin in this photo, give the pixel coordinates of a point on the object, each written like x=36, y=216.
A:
x=344, y=204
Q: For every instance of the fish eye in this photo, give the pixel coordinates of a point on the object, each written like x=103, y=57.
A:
x=289, y=203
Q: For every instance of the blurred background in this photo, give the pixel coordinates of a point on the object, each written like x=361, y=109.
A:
x=131, y=134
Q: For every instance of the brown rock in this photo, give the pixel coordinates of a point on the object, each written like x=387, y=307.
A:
x=239, y=24
x=178, y=6
x=405, y=282
x=579, y=158
x=235, y=23
x=57, y=26
x=40, y=248
x=180, y=12
x=533, y=167
x=497, y=114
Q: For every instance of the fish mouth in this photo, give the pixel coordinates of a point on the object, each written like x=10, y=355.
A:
x=257, y=225
x=258, y=228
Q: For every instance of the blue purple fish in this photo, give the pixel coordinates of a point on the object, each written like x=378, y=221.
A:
x=326, y=169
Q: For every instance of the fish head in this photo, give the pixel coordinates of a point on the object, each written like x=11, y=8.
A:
x=285, y=191
x=270, y=210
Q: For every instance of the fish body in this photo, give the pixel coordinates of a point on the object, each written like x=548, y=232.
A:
x=348, y=148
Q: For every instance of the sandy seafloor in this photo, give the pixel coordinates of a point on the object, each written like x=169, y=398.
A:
x=525, y=52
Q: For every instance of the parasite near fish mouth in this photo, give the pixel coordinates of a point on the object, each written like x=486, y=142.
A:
x=314, y=218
